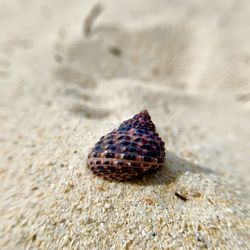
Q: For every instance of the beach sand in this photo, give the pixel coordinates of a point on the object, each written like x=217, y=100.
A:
x=67, y=77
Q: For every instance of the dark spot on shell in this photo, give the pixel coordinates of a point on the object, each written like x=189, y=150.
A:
x=101, y=169
x=125, y=143
x=111, y=147
x=147, y=159
x=129, y=157
x=138, y=139
x=148, y=147
x=160, y=160
x=135, y=165
x=126, y=138
x=132, y=150
x=95, y=154
x=110, y=155
x=152, y=154
x=97, y=148
x=112, y=168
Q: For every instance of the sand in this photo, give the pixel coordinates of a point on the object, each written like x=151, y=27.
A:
x=66, y=81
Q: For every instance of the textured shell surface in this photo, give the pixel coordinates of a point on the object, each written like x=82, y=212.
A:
x=132, y=150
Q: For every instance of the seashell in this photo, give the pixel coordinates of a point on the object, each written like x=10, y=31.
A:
x=132, y=150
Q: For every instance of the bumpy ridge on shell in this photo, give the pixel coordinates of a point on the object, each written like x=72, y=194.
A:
x=139, y=121
x=132, y=150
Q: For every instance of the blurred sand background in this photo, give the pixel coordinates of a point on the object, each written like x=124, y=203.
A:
x=61, y=89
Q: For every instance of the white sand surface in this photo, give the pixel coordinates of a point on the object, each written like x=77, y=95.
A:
x=187, y=62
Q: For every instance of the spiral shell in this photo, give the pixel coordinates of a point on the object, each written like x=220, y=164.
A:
x=132, y=150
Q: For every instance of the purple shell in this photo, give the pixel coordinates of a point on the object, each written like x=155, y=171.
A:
x=132, y=150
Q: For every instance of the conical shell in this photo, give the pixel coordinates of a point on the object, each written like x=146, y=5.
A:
x=132, y=150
